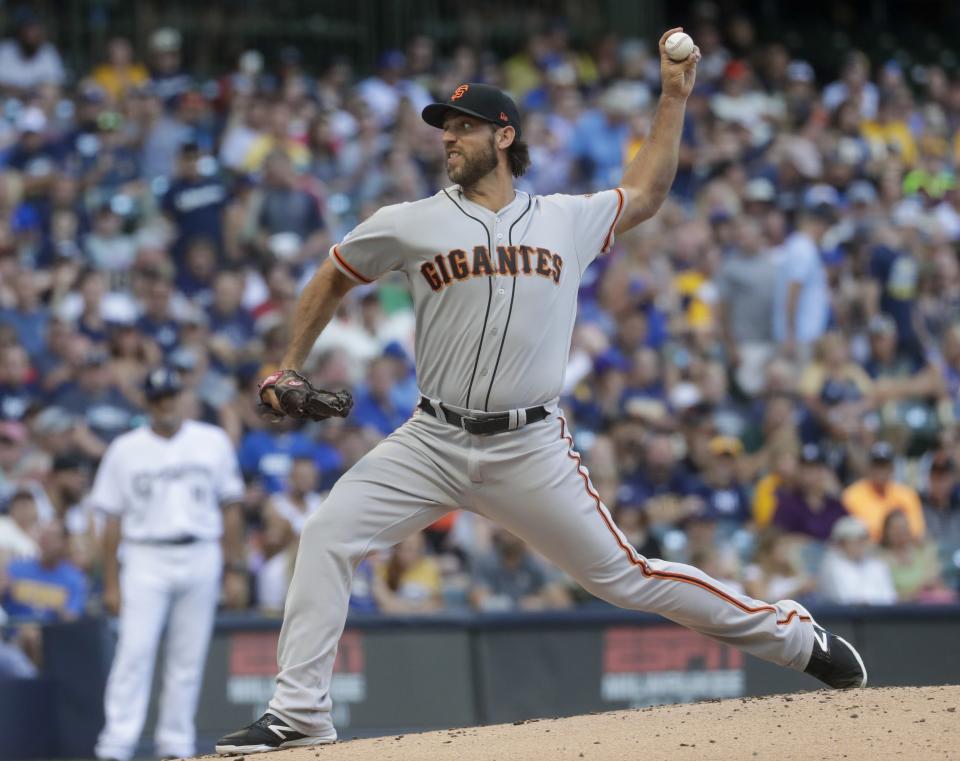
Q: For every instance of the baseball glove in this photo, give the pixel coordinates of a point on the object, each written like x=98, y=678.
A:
x=299, y=399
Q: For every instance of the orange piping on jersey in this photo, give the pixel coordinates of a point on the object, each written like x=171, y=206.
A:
x=640, y=562
x=606, y=241
x=348, y=268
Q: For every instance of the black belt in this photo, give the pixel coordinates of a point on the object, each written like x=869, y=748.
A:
x=496, y=423
x=177, y=540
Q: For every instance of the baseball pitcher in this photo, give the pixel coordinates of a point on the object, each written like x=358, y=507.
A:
x=494, y=275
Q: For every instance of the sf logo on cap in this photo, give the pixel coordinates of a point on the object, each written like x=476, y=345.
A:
x=460, y=92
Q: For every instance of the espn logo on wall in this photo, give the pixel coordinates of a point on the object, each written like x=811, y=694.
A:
x=644, y=666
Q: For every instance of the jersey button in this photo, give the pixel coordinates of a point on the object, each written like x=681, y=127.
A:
x=501, y=291
x=483, y=373
x=494, y=331
x=499, y=235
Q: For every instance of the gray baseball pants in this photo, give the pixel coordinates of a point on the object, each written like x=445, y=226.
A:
x=530, y=481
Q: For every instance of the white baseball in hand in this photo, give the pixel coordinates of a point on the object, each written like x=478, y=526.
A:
x=679, y=45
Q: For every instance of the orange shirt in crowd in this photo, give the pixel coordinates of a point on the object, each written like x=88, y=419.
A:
x=872, y=505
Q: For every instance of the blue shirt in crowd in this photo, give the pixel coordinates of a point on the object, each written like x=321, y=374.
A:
x=49, y=594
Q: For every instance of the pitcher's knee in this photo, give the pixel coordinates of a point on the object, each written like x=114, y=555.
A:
x=328, y=532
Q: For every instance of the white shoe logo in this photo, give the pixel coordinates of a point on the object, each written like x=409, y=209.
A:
x=279, y=729
x=821, y=637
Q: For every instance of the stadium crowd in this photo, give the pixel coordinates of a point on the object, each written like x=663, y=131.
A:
x=764, y=379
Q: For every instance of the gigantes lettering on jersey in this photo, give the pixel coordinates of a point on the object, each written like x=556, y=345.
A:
x=459, y=265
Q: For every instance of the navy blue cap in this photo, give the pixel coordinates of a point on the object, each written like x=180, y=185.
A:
x=483, y=101
x=161, y=382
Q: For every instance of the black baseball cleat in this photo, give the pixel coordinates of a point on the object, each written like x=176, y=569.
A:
x=267, y=733
x=835, y=661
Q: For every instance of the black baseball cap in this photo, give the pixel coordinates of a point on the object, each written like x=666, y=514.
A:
x=161, y=382
x=482, y=101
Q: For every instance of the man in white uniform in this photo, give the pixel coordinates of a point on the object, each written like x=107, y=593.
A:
x=169, y=491
x=494, y=275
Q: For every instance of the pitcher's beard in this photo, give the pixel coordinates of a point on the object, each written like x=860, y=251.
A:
x=474, y=169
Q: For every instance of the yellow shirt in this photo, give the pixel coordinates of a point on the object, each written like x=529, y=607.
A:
x=420, y=581
x=117, y=82
x=765, y=499
x=895, y=136
x=688, y=284
x=871, y=506
x=264, y=145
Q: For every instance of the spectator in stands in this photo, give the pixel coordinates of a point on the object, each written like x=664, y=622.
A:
x=777, y=569
x=811, y=508
x=13, y=440
x=661, y=484
x=300, y=499
x=510, y=578
x=120, y=73
x=36, y=154
x=110, y=250
x=47, y=587
x=408, y=580
x=28, y=60
x=723, y=495
x=28, y=316
x=196, y=276
x=914, y=565
x=384, y=92
x=18, y=380
x=851, y=574
x=801, y=297
x=941, y=514
x=835, y=389
x=745, y=305
x=854, y=86
x=290, y=224
x=905, y=385
x=157, y=321
x=374, y=402
x=782, y=474
x=97, y=400
x=268, y=454
x=278, y=550
x=117, y=168
x=872, y=498
x=19, y=528
x=194, y=203
x=168, y=80
x=276, y=139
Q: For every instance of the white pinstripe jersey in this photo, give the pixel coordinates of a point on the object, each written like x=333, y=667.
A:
x=495, y=293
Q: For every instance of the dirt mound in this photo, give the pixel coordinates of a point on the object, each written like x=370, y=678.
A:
x=874, y=724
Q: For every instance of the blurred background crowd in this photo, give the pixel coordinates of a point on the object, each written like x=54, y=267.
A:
x=764, y=379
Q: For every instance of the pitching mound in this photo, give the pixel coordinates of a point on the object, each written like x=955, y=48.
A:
x=873, y=724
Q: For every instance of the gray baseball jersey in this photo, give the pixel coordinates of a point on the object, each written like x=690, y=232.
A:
x=495, y=293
